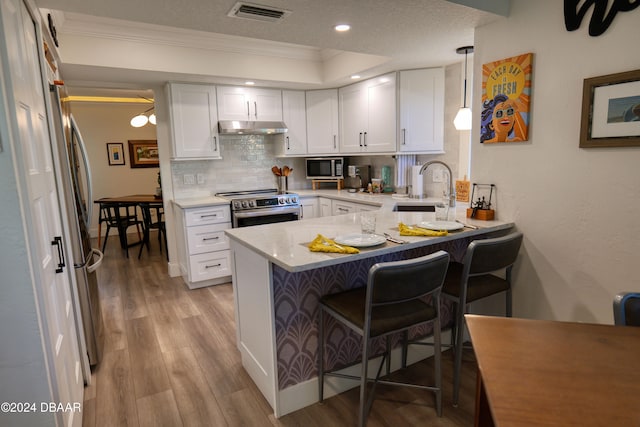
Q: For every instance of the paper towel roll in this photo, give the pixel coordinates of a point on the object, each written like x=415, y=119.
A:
x=416, y=182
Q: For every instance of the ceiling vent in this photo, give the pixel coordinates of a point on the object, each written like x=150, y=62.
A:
x=257, y=12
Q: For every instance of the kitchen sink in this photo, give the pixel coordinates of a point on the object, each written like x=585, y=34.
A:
x=414, y=208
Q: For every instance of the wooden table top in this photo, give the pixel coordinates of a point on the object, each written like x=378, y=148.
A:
x=546, y=373
x=135, y=198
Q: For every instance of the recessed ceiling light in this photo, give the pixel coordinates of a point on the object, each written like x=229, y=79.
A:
x=342, y=27
x=249, y=83
x=355, y=76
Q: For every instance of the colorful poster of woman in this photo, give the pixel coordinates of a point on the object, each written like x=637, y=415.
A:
x=506, y=93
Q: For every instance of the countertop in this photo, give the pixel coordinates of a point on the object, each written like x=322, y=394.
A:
x=285, y=244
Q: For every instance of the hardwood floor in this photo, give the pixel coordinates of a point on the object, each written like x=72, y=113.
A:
x=171, y=360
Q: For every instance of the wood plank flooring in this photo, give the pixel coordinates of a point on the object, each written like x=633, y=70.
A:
x=171, y=360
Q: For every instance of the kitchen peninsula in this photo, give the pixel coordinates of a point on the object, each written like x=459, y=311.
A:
x=277, y=282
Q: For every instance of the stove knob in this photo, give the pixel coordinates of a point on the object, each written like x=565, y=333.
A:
x=244, y=204
x=252, y=203
x=288, y=200
x=236, y=205
x=294, y=200
x=281, y=200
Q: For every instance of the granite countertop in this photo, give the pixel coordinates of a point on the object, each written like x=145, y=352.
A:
x=200, y=202
x=285, y=244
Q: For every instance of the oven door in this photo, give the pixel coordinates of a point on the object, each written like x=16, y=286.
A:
x=265, y=216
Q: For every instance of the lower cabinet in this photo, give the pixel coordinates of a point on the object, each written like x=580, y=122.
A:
x=309, y=207
x=324, y=206
x=203, y=248
x=339, y=207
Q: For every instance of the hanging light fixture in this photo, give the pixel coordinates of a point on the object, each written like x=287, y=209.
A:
x=142, y=119
x=463, y=118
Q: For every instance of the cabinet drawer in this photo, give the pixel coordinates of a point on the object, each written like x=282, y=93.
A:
x=210, y=265
x=209, y=215
x=207, y=238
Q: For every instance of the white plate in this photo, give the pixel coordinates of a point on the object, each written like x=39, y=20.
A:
x=360, y=240
x=441, y=225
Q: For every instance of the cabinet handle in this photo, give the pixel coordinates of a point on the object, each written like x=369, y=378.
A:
x=57, y=241
x=288, y=146
x=360, y=139
x=212, y=266
x=204, y=239
x=343, y=209
x=334, y=142
x=215, y=143
x=404, y=136
x=365, y=139
x=208, y=215
x=301, y=211
x=248, y=113
x=255, y=108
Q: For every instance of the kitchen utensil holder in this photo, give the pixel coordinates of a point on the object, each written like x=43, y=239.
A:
x=283, y=184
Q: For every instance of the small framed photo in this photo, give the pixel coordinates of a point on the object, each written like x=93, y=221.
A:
x=115, y=152
x=144, y=153
x=611, y=111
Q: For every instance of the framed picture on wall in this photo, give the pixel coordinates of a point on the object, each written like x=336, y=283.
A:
x=506, y=95
x=115, y=152
x=144, y=153
x=611, y=111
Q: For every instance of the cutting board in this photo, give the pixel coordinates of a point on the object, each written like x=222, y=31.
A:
x=462, y=190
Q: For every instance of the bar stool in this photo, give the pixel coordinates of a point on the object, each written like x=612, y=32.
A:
x=393, y=301
x=473, y=280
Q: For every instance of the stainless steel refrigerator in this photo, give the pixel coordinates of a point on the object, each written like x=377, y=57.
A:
x=75, y=178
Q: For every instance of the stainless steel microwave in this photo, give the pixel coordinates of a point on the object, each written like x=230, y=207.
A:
x=325, y=167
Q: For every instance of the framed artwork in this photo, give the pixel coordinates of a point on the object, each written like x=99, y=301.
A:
x=115, y=152
x=506, y=95
x=144, y=153
x=611, y=111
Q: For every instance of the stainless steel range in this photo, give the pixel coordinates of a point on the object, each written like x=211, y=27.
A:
x=266, y=206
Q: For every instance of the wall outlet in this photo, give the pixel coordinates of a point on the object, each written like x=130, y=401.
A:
x=189, y=179
x=437, y=175
x=200, y=178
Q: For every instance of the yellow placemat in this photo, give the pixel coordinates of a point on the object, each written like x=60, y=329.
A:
x=411, y=230
x=323, y=244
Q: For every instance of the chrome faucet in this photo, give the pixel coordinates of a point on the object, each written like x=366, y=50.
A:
x=452, y=188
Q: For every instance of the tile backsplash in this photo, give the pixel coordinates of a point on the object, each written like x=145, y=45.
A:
x=245, y=165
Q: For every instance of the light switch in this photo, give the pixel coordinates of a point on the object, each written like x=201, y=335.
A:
x=189, y=179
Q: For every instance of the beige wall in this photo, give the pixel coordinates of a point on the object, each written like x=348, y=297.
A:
x=103, y=123
x=578, y=208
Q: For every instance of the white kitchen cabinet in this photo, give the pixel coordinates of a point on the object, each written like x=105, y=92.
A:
x=324, y=206
x=203, y=247
x=194, y=121
x=322, y=122
x=421, y=111
x=294, y=116
x=309, y=207
x=368, y=116
x=249, y=104
x=339, y=207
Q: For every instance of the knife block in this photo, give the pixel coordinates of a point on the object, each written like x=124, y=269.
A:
x=483, y=214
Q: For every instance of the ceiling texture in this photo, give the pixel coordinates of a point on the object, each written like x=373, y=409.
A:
x=385, y=35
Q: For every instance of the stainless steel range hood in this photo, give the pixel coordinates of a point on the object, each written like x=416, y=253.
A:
x=234, y=127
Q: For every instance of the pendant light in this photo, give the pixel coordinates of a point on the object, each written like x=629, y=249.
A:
x=463, y=118
x=142, y=119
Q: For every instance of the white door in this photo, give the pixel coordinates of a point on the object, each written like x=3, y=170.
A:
x=294, y=115
x=37, y=163
x=353, y=117
x=381, y=120
x=322, y=121
x=233, y=103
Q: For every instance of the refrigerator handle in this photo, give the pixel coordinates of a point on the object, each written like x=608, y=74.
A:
x=93, y=267
x=87, y=168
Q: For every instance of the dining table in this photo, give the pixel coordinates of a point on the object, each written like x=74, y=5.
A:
x=554, y=373
x=144, y=201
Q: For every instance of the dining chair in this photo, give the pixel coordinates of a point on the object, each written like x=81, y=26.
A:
x=392, y=301
x=626, y=309
x=474, y=279
x=149, y=224
x=120, y=216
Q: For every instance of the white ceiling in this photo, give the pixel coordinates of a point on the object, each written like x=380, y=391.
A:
x=409, y=33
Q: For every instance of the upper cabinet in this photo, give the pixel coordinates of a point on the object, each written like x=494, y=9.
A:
x=293, y=112
x=322, y=122
x=368, y=116
x=249, y=104
x=194, y=121
x=421, y=111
